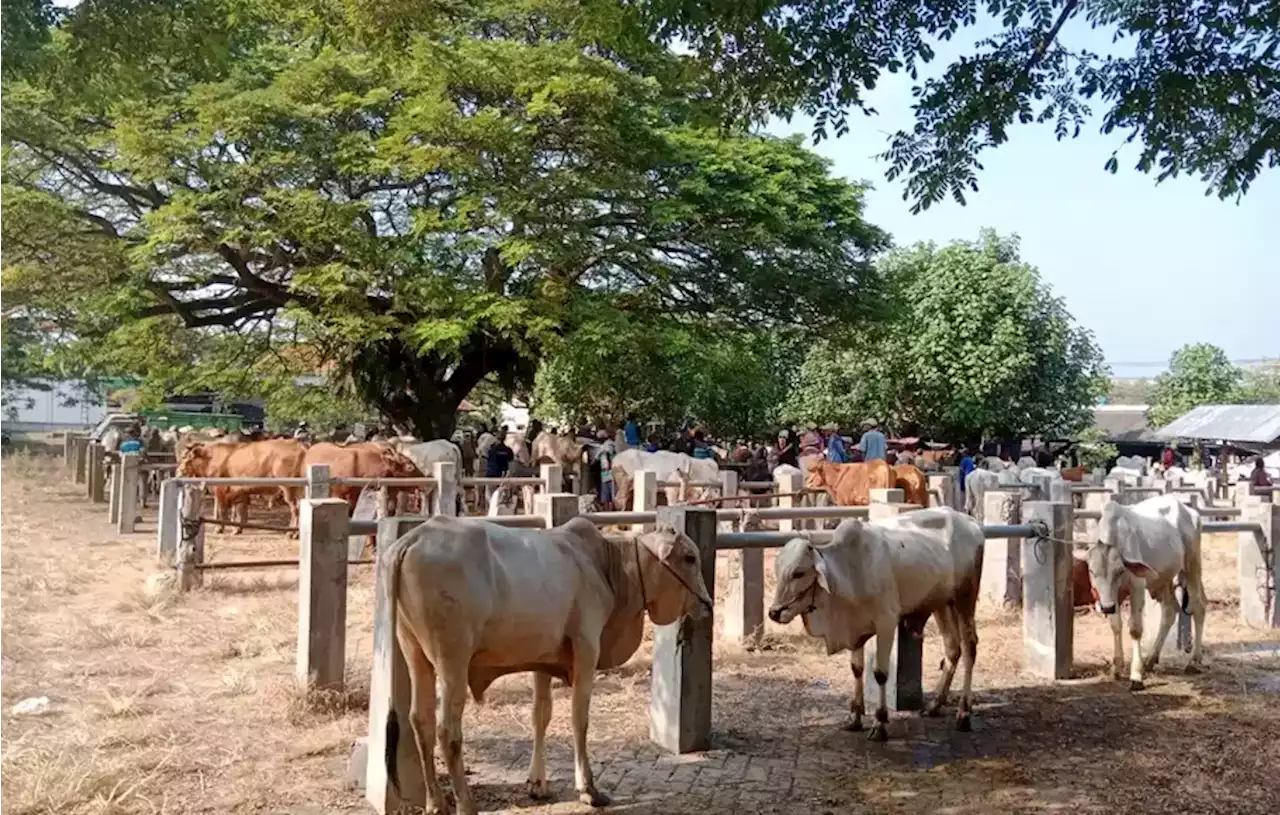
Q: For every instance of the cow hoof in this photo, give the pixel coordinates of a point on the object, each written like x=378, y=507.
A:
x=854, y=725
x=964, y=723
x=1136, y=685
x=878, y=732
x=594, y=798
x=1193, y=668
x=539, y=790
x=933, y=711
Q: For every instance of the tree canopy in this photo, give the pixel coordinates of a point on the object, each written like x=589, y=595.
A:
x=422, y=201
x=1193, y=85
x=978, y=348
x=1201, y=374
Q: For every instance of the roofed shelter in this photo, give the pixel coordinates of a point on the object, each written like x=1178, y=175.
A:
x=1254, y=427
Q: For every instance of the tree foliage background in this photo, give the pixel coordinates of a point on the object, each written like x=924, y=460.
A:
x=1201, y=374
x=978, y=347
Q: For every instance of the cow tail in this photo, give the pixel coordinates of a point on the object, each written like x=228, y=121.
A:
x=396, y=555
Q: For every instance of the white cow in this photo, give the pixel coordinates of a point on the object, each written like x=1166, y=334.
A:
x=869, y=577
x=426, y=454
x=1145, y=546
x=1025, y=462
x=976, y=485
x=475, y=601
x=670, y=467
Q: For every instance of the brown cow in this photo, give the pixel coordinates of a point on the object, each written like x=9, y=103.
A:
x=1083, y=593
x=208, y=460
x=276, y=458
x=360, y=460
x=913, y=483
x=850, y=485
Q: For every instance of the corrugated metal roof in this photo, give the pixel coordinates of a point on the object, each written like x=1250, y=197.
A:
x=1124, y=424
x=1243, y=423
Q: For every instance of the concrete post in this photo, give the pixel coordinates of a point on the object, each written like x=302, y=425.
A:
x=317, y=481
x=557, y=508
x=892, y=495
x=1259, y=566
x=97, y=475
x=81, y=458
x=581, y=477
x=729, y=489
x=1001, y=583
x=680, y=690
x=113, y=492
x=905, y=689
x=444, y=500
x=1038, y=489
x=322, y=593
x=1060, y=492
x=69, y=454
x=552, y=478
x=383, y=505
x=788, y=486
x=389, y=691
x=191, y=543
x=1093, y=501
x=644, y=496
x=169, y=525
x=942, y=487
x=128, y=492
x=1048, y=607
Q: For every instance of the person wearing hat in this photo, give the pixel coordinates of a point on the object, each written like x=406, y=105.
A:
x=873, y=444
x=810, y=441
x=835, y=444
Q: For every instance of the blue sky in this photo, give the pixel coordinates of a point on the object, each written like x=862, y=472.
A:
x=1146, y=267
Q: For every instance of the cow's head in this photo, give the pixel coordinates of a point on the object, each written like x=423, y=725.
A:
x=1109, y=570
x=194, y=462
x=395, y=465
x=816, y=478
x=802, y=575
x=671, y=580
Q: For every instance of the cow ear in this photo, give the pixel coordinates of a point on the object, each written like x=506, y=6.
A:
x=823, y=568
x=1138, y=569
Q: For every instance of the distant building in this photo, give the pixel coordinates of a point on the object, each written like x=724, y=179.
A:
x=1126, y=427
x=65, y=405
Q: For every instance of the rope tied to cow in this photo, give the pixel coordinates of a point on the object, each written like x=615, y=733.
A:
x=1042, y=539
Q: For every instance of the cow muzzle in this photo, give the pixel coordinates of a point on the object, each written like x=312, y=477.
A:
x=1111, y=609
x=775, y=614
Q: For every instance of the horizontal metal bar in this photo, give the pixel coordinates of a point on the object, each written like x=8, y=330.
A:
x=1141, y=489
x=1221, y=512
x=756, y=485
x=521, y=521
x=362, y=527
x=1232, y=526
x=1087, y=515
x=620, y=518
x=241, y=482
x=218, y=566
x=1008, y=531
x=143, y=468
x=1084, y=490
x=794, y=513
x=703, y=484
x=530, y=481
x=384, y=482
x=767, y=540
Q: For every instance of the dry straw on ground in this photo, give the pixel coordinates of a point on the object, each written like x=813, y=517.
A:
x=188, y=704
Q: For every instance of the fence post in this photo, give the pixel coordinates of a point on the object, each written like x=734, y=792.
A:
x=788, y=485
x=941, y=490
x=644, y=496
x=557, y=507
x=97, y=475
x=680, y=685
x=169, y=522
x=81, y=458
x=389, y=691
x=1001, y=582
x=905, y=688
x=113, y=492
x=1259, y=566
x=444, y=500
x=322, y=593
x=1093, y=501
x=128, y=492
x=884, y=503
x=191, y=545
x=552, y=477
x=317, y=481
x=1048, y=607
x=69, y=454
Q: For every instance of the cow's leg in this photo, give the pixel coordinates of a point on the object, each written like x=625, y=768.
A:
x=948, y=626
x=858, y=665
x=886, y=631
x=1137, y=602
x=968, y=632
x=291, y=501
x=1116, y=621
x=454, y=699
x=1199, y=605
x=422, y=715
x=538, y=786
x=586, y=656
x=526, y=495
x=1168, y=614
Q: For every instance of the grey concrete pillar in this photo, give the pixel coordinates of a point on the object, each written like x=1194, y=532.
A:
x=191, y=541
x=552, y=478
x=169, y=524
x=744, y=603
x=113, y=492
x=389, y=691
x=1259, y=566
x=644, y=496
x=1060, y=492
x=905, y=689
x=557, y=508
x=788, y=487
x=129, y=475
x=680, y=689
x=444, y=499
x=322, y=593
x=81, y=458
x=317, y=481
x=1001, y=582
x=69, y=454
x=97, y=475
x=729, y=489
x=942, y=491
x=1048, y=607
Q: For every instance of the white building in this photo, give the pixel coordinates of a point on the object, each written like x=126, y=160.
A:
x=64, y=407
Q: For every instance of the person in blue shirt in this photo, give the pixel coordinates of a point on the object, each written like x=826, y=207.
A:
x=835, y=445
x=966, y=465
x=873, y=444
x=700, y=447
x=132, y=440
x=654, y=443
x=631, y=431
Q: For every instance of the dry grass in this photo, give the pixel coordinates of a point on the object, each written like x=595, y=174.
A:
x=188, y=704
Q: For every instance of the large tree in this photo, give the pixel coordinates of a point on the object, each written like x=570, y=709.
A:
x=1199, y=374
x=426, y=196
x=977, y=346
x=1194, y=85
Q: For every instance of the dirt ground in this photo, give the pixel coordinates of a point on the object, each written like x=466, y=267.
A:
x=188, y=704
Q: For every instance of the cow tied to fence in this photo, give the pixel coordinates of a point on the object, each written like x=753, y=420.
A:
x=1146, y=546
x=910, y=567
x=275, y=458
x=475, y=601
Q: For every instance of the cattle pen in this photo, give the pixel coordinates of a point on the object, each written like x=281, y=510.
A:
x=758, y=756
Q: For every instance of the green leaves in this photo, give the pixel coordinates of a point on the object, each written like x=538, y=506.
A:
x=1201, y=374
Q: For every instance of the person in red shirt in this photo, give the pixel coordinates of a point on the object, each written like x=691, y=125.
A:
x=1259, y=477
x=1166, y=458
